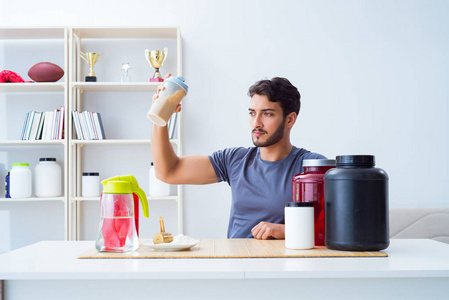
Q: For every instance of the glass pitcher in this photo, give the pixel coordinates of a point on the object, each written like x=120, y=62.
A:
x=117, y=230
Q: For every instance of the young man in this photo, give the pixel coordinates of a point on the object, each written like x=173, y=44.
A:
x=260, y=176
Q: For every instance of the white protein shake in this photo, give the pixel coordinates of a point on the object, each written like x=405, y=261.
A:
x=165, y=105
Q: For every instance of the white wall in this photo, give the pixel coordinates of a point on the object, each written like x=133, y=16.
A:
x=373, y=76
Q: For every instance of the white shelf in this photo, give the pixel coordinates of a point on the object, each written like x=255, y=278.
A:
x=125, y=33
x=72, y=89
x=17, y=33
x=116, y=86
x=167, y=198
x=116, y=142
x=32, y=143
x=80, y=99
x=32, y=199
x=24, y=39
x=31, y=87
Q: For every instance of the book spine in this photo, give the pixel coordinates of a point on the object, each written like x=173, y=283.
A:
x=61, y=123
x=82, y=126
x=27, y=116
x=101, y=126
x=35, y=125
x=76, y=125
x=29, y=125
x=92, y=123
x=53, y=124
x=40, y=127
x=97, y=126
x=44, y=128
x=86, y=130
x=49, y=121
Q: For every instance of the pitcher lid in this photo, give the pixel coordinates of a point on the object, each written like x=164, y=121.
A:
x=117, y=187
x=179, y=81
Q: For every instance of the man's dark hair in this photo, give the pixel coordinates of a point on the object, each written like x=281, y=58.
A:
x=280, y=90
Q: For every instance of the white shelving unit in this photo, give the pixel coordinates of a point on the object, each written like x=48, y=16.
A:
x=23, y=40
x=109, y=40
x=80, y=95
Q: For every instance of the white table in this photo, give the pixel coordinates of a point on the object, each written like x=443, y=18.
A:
x=415, y=269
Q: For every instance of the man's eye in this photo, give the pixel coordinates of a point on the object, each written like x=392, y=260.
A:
x=268, y=114
x=251, y=113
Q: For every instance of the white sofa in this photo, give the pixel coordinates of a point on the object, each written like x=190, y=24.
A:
x=429, y=223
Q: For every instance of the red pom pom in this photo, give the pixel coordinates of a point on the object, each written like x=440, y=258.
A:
x=45, y=72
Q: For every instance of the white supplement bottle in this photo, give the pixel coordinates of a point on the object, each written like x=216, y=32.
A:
x=157, y=188
x=299, y=225
x=47, y=178
x=20, y=181
x=91, y=184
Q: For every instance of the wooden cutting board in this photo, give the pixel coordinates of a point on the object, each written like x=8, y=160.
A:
x=232, y=248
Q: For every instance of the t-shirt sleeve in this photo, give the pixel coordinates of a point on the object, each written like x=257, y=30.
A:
x=221, y=160
x=312, y=155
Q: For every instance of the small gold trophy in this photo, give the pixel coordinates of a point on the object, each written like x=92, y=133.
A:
x=91, y=58
x=156, y=58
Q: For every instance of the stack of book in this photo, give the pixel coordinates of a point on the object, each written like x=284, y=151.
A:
x=88, y=125
x=47, y=125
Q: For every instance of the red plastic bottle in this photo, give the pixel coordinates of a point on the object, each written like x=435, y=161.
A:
x=309, y=187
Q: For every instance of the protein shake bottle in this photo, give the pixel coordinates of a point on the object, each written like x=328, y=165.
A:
x=165, y=105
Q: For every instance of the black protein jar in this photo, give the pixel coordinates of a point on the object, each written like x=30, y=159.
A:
x=356, y=205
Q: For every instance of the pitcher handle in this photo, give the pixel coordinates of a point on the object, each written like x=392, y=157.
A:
x=143, y=200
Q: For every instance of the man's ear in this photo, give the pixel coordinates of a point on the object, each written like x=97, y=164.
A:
x=290, y=120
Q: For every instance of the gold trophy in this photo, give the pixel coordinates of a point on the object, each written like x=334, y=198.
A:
x=91, y=58
x=156, y=58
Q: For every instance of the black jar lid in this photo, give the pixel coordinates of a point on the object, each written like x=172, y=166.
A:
x=91, y=174
x=355, y=160
x=47, y=159
x=298, y=204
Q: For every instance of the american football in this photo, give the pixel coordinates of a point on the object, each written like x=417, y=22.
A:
x=45, y=72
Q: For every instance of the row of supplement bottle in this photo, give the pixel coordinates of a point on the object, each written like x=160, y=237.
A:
x=47, y=179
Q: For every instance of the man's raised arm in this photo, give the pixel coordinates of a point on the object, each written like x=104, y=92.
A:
x=193, y=169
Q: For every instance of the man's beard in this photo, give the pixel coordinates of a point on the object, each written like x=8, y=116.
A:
x=276, y=137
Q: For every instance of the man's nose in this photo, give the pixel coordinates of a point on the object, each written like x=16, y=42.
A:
x=257, y=121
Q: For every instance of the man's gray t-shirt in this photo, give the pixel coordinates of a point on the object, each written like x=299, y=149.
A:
x=259, y=188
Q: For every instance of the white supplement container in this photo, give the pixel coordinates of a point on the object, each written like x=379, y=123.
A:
x=299, y=225
x=157, y=188
x=47, y=178
x=20, y=181
x=91, y=184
